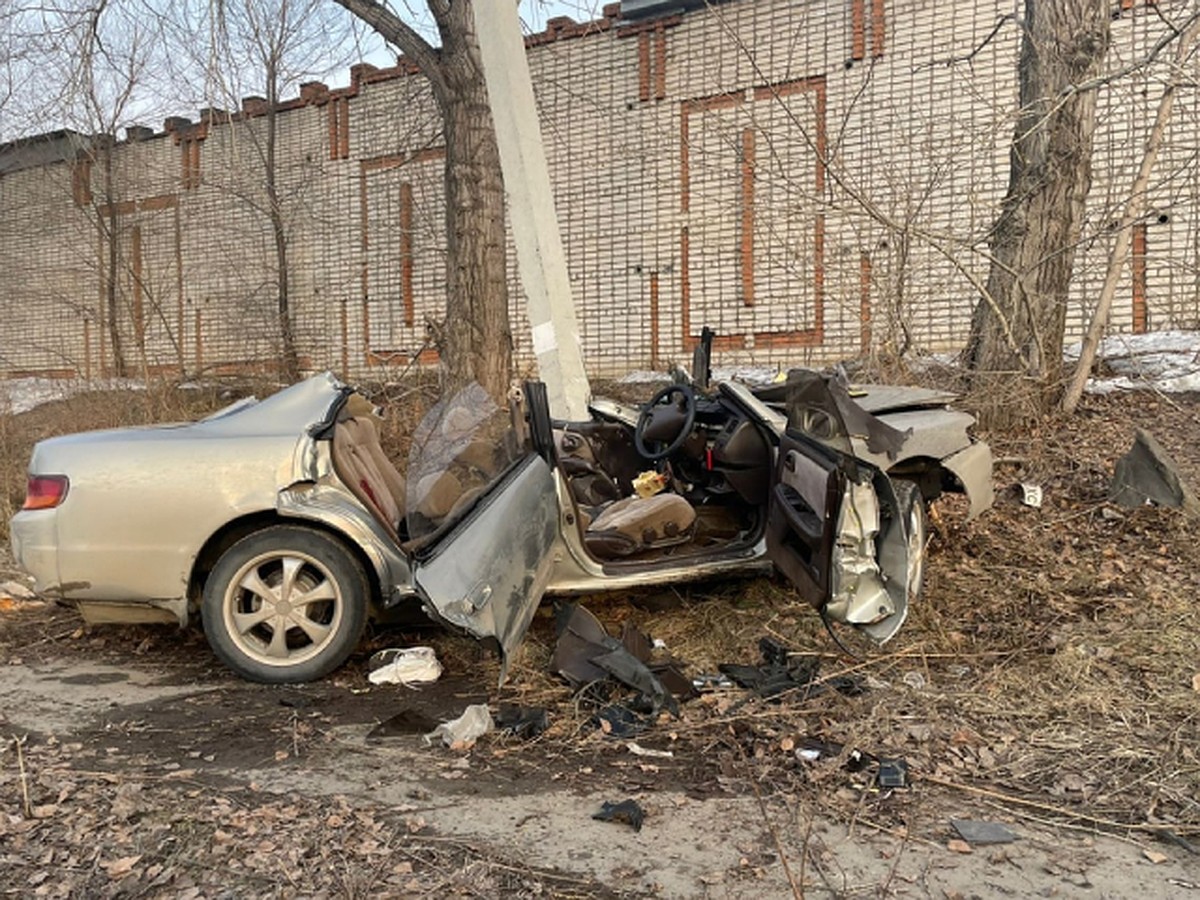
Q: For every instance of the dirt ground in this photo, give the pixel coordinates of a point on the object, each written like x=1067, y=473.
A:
x=1049, y=681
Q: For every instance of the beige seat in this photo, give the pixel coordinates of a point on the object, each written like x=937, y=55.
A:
x=360, y=462
x=634, y=524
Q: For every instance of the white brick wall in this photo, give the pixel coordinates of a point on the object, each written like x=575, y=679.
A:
x=685, y=165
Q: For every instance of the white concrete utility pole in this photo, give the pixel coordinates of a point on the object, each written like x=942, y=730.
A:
x=541, y=263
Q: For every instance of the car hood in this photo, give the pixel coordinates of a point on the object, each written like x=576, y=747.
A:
x=873, y=398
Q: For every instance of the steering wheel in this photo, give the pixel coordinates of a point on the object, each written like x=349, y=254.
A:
x=661, y=418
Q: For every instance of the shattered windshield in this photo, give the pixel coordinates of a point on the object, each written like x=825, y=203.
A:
x=462, y=446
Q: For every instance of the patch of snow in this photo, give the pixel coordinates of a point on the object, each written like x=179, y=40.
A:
x=1164, y=361
x=18, y=395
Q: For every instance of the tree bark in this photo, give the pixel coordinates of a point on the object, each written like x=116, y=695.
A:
x=1015, y=348
x=476, y=341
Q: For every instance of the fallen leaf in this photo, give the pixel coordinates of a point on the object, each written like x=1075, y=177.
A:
x=959, y=846
x=1196, y=682
x=119, y=868
x=787, y=745
x=1155, y=857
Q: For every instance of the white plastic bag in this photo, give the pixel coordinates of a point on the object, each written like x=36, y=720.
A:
x=461, y=733
x=411, y=665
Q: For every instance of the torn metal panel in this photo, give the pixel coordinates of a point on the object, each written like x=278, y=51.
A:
x=488, y=576
x=972, y=466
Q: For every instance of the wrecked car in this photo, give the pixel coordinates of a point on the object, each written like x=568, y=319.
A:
x=285, y=526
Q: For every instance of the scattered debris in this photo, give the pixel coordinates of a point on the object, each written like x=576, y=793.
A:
x=628, y=811
x=1147, y=474
x=16, y=590
x=958, y=846
x=712, y=682
x=782, y=672
x=523, y=722
x=977, y=832
x=638, y=750
x=1155, y=857
x=914, y=680
x=1031, y=494
x=461, y=733
x=409, y=665
x=405, y=722
x=893, y=773
x=811, y=749
x=585, y=652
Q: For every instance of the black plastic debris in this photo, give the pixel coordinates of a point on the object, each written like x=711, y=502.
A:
x=980, y=832
x=893, y=773
x=858, y=760
x=782, y=672
x=523, y=722
x=629, y=812
x=405, y=722
x=1148, y=474
x=585, y=653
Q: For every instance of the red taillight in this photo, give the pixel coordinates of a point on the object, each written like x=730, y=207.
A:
x=45, y=491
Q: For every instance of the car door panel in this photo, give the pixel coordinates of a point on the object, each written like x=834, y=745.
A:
x=802, y=516
x=488, y=574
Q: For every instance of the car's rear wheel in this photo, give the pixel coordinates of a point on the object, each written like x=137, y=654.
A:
x=286, y=604
x=913, y=515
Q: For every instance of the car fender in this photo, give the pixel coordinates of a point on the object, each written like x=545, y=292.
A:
x=972, y=466
x=339, y=511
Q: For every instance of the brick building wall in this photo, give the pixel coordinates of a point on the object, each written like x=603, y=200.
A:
x=686, y=153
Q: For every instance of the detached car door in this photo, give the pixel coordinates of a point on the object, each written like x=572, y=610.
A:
x=834, y=527
x=482, y=517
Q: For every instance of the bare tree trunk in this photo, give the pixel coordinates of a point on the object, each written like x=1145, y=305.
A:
x=1015, y=348
x=1133, y=211
x=477, y=339
x=289, y=358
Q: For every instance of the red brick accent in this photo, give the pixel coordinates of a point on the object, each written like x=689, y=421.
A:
x=189, y=162
x=139, y=286
x=654, y=333
x=748, y=216
x=365, y=168
x=858, y=29
x=878, y=28
x=149, y=204
x=198, y=324
x=81, y=180
x=808, y=337
x=660, y=62
x=406, y=252
x=313, y=91
x=644, y=66
x=1137, y=267
x=339, y=128
x=864, y=300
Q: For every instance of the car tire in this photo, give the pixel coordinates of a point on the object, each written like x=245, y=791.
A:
x=913, y=514
x=261, y=628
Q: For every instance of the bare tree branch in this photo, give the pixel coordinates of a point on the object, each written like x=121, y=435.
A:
x=398, y=32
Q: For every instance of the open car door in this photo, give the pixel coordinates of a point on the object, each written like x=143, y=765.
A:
x=834, y=527
x=482, y=517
